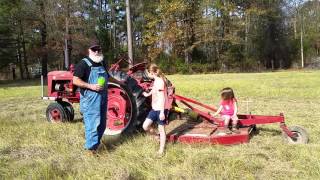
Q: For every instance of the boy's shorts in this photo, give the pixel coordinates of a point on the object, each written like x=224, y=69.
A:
x=154, y=116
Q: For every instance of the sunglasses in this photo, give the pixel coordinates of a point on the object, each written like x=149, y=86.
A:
x=96, y=50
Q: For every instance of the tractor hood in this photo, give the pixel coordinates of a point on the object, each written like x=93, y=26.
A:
x=60, y=75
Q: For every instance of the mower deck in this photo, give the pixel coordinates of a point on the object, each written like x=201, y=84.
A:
x=185, y=131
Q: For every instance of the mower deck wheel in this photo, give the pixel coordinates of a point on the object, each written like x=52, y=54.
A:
x=301, y=135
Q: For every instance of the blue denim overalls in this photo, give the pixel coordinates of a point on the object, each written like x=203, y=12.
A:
x=93, y=106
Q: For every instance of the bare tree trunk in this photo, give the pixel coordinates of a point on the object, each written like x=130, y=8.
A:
x=13, y=72
x=66, y=49
x=18, y=48
x=301, y=42
x=205, y=37
x=212, y=47
x=67, y=38
x=25, y=58
x=186, y=44
x=186, y=55
x=100, y=9
x=317, y=44
x=295, y=26
x=190, y=35
x=129, y=32
x=43, y=32
x=217, y=43
x=19, y=57
x=113, y=31
x=247, y=21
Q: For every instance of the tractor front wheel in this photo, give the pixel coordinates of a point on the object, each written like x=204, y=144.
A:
x=300, y=135
x=56, y=113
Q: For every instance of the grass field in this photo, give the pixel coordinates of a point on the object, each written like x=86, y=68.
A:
x=31, y=148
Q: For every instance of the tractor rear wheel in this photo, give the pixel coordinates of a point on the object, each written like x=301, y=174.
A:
x=301, y=135
x=127, y=107
x=69, y=110
x=121, y=110
x=56, y=113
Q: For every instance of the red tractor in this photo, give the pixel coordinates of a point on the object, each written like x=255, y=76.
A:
x=127, y=109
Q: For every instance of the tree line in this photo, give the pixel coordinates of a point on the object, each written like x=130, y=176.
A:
x=182, y=36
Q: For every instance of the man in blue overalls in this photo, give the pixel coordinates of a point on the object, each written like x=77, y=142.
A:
x=93, y=97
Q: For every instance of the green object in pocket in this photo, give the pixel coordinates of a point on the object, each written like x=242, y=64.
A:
x=101, y=81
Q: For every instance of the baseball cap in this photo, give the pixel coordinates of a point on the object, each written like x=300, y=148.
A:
x=94, y=45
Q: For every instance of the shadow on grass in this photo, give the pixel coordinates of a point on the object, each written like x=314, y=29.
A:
x=113, y=141
x=20, y=83
x=274, y=132
x=185, y=127
x=256, y=131
x=76, y=120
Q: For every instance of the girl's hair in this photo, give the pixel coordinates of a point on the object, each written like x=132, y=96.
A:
x=227, y=93
x=156, y=70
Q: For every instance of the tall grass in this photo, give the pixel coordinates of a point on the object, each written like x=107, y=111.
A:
x=31, y=148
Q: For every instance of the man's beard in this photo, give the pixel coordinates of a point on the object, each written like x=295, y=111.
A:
x=96, y=58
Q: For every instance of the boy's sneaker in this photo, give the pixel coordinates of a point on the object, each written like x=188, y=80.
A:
x=227, y=131
x=236, y=130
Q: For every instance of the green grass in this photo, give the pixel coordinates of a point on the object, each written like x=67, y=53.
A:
x=31, y=148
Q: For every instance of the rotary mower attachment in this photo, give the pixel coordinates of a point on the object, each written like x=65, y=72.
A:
x=201, y=127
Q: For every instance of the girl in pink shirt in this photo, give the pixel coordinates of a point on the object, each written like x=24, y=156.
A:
x=228, y=110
